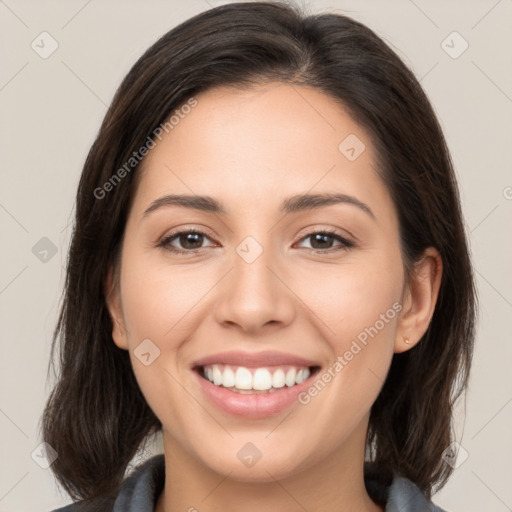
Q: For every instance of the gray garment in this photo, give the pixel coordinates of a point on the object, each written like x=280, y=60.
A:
x=140, y=491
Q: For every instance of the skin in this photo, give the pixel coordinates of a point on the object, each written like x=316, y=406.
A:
x=250, y=150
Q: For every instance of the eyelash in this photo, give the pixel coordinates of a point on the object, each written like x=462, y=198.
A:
x=345, y=244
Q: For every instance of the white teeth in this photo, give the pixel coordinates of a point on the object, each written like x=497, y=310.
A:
x=278, y=379
x=290, y=377
x=245, y=380
x=302, y=375
x=228, y=378
x=262, y=379
x=217, y=376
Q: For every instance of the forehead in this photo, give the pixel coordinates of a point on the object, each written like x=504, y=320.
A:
x=270, y=141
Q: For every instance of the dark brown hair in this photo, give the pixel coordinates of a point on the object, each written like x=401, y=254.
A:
x=96, y=416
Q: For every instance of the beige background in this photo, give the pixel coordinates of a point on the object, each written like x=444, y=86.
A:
x=51, y=109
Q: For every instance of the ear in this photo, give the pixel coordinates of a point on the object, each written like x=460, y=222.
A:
x=113, y=301
x=420, y=296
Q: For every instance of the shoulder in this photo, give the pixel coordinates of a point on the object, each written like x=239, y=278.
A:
x=404, y=496
x=397, y=494
x=137, y=493
x=67, y=508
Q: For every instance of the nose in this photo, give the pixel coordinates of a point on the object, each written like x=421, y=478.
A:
x=254, y=296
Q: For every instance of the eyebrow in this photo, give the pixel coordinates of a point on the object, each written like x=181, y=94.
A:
x=296, y=203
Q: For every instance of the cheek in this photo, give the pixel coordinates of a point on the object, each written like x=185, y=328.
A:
x=159, y=300
x=358, y=308
x=165, y=305
x=352, y=298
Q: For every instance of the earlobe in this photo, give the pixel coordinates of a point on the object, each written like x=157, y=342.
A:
x=420, y=300
x=113, y=302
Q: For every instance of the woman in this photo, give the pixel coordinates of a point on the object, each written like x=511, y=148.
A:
x=269, y=266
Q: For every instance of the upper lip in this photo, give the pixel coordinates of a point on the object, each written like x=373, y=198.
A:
x=255, y=359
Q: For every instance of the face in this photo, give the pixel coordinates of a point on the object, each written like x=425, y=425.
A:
x=292, y=307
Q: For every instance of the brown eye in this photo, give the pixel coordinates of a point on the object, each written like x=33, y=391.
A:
x=322, y=241
x=184, y=241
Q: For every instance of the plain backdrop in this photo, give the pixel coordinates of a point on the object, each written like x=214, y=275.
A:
x=51, y=106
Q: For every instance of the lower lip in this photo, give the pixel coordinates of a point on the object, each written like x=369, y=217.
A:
x=252, y=406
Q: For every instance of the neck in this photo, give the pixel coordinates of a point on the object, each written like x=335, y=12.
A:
x=334, y=484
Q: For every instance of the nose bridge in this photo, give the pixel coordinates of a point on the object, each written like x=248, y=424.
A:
x=252, y=295
x=251, y=267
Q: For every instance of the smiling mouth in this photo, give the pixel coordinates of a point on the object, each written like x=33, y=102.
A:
x=252, y=381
